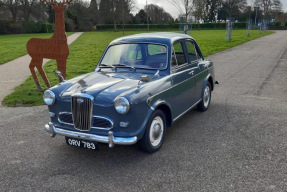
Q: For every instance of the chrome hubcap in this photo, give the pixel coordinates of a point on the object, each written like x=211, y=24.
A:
x=206, y=96
x=156, y=131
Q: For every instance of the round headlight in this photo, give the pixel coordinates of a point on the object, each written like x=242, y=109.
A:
x=122, y=105
x=49, y=97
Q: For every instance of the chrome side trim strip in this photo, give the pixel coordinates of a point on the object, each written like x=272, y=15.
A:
x=187, y=110
x=110, y=139
x=180, y=82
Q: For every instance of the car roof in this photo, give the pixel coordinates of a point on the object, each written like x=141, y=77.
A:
x=166, y=38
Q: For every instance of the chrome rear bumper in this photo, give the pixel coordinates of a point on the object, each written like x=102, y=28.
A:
x=110, y=139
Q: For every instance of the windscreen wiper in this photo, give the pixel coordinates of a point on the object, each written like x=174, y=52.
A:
x=107, y=66
x=124, y=65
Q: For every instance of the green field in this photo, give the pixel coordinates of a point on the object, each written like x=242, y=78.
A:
x=14, y=46
x=86, y=51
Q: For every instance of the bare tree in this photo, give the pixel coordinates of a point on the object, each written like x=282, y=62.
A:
x=13, y=6
x=157, y=15
x=184, y=7
x=199, y=10
x=124, y=9
x=281, y=17
x=27, y=7
x=234, y=6
x=212, y=9
x=268, y=6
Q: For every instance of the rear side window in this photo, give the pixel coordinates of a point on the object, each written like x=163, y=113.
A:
x=192, y=54
x=178, y=57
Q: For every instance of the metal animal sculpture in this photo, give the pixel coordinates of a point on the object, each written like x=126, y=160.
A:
x=54, y=48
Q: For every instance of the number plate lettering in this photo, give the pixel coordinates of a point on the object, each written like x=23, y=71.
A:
x=81, y=143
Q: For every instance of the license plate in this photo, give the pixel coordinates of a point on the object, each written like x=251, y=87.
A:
x=81, y=143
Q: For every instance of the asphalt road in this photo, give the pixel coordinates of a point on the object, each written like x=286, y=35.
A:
x=239, y=144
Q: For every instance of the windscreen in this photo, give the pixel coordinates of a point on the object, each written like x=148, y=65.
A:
x=147, y=56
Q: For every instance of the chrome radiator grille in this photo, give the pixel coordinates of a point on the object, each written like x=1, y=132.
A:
x=82, y=109
x=97, y=121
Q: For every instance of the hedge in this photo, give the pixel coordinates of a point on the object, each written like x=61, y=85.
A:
x=169, y=26
x=278, y=27
x=8, y=27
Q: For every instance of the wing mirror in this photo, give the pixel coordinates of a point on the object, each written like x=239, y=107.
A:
x=59, y=74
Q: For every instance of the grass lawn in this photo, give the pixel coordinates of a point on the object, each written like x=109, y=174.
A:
x=86, y=51
x=14, y=46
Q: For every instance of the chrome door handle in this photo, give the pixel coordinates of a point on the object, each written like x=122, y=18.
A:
x=191, y=72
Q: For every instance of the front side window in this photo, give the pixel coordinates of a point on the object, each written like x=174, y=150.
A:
x=142, y=55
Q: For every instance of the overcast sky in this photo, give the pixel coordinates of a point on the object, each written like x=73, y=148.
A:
x=171, y=9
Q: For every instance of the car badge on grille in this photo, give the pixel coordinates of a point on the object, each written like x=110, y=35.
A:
x=80, y=100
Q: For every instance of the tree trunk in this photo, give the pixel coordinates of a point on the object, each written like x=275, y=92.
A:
x=123, y=28
x=14, y=14
x=115, y=26
x=26, y=15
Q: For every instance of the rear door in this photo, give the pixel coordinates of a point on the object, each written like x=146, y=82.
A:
x=198, y=66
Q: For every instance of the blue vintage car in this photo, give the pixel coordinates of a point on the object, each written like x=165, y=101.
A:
x=142, y=84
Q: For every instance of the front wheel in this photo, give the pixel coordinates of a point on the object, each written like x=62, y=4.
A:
x=154, y=133
x=206, y=98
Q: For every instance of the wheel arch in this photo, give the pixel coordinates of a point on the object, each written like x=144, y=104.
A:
x=166, y=109
x=210, y=80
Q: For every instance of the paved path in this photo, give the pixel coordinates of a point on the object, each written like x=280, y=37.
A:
x=239, y=144
x=15, y=72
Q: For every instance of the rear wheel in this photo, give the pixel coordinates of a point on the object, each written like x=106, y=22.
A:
x=206, y=98
x=154, y=133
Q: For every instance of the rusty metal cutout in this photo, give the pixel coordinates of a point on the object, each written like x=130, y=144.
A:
x=55, y=47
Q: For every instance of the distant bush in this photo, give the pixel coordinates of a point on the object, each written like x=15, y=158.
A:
x=29, y=27
x=43, y=27
x=276, y=24
x=8, y=27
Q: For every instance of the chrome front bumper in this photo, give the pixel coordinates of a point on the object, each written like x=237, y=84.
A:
x=110, y=139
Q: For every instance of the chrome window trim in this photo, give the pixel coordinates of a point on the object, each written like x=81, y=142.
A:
x=178, y=67
x=94, y=116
